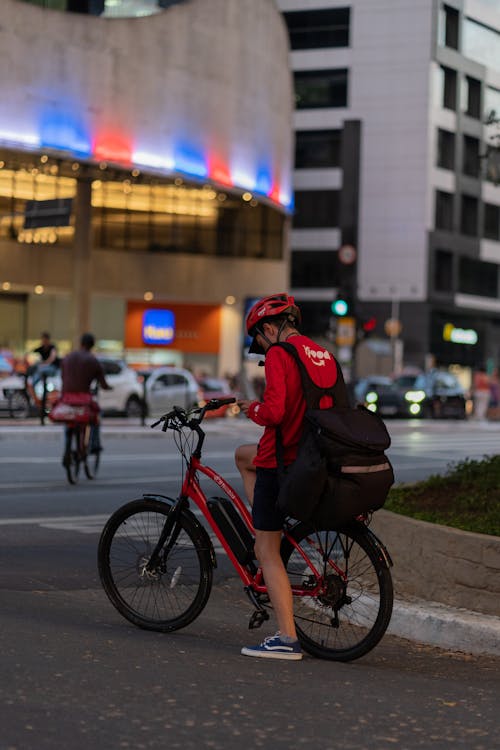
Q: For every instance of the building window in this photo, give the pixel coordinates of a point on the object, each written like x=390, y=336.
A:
x=317, y=148
x=444, y=210
x=315, y=29
x=316, y=208
x=446, y=149
x=449, y=32
x=314, y=269
x=443, y=271
x=449, y=88
x=321, y=88
x=477, y=277
x=471, y=161
x=481, y=43
x=491, y=228
x=473, y=97
x=469, y=216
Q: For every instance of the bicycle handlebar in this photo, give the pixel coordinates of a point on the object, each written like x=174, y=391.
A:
x=186, y=419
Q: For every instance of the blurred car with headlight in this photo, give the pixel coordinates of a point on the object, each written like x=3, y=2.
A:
x=436, y=394
x=218, y=388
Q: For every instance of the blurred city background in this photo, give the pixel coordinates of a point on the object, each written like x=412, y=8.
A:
x=163, y=163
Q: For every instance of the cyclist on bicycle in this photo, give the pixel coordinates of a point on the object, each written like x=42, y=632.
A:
x=271, y=320
x=79, y=370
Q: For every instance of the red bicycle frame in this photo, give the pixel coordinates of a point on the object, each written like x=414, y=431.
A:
x=191, y=489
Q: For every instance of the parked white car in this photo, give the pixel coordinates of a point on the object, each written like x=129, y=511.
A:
x=167, y=387
x=14, y=399
x=127, y=393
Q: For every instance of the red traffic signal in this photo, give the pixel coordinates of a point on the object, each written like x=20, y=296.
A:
x=369, y=325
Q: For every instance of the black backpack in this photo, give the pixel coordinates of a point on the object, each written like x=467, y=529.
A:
x=341, y=470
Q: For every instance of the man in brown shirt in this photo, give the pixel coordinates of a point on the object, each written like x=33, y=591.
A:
x=79, y=370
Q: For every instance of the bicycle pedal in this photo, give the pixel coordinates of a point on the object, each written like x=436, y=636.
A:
x=257, y=618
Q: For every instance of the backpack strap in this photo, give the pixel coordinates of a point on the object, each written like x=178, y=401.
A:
x=313, y=393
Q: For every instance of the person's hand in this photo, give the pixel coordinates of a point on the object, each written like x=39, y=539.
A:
x=244, y=406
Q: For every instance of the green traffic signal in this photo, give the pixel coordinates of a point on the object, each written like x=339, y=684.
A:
x=340, y=307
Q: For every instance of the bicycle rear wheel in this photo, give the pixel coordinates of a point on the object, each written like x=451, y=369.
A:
x=351, y=613
x=171, y=595
x=72, y=459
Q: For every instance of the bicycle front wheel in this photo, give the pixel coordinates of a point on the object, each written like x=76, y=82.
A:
x=171, y=595
x=350, y=614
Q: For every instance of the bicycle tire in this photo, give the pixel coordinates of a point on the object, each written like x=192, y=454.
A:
x=350, y=617
x=72, y=456
x=170, y=597
x=90, y=460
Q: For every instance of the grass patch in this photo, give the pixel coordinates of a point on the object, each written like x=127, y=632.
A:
x=467, y=497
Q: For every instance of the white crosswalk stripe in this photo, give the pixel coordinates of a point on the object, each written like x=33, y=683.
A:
x=91, y=524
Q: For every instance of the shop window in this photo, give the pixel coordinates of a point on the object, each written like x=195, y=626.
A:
x=316, y=208
x=314, y=269
x=473, y=97
x=317, y=148
x=315, y=29
x=491, y=229
x=321, y=88
x=446, y=149
x=444, y=210
x=469, y=215
x=443, y=271
x=478, y=278
x=471, y=161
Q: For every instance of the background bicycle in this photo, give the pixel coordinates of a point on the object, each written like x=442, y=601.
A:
x=80, y=414
x=156, y=560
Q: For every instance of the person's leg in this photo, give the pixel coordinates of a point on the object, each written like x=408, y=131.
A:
x=267, y=551
x=243, y=457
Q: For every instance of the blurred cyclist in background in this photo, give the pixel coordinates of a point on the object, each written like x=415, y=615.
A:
x=80, y=369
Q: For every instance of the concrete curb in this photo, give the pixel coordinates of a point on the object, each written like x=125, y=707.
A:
x=453, y=629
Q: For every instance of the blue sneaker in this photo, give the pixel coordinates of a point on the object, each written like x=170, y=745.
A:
x=273, y=647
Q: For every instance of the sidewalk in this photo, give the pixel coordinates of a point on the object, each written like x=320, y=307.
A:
x=425, y=622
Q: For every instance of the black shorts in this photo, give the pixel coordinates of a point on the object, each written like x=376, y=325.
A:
x=265, y=515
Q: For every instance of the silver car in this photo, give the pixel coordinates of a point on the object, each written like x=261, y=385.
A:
x=167, y=387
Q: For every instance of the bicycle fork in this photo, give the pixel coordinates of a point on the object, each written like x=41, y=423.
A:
x=171, y=530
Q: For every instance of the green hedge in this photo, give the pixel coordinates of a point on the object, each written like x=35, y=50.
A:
x=466, y=497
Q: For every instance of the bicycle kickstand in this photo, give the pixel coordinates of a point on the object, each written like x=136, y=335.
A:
x=260, y=615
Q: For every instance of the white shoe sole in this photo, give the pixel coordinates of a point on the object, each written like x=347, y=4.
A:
x=271, y=654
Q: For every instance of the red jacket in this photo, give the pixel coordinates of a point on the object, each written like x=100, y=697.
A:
x=283, y=404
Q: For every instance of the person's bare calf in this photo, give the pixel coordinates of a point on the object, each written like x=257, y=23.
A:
x=243, y=457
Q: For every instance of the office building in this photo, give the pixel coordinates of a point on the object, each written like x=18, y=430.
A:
x=392, y=159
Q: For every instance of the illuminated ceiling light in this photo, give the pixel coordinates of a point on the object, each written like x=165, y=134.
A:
x=75, y=166
x=39, y=289
x=44, y=158
x=136, y=173
x=254, y=203
x=6, y=286
x=247, y=197
x=230, y=300
x=178, y=181
x=148, y=296
x=103, y=165
x=222, y=197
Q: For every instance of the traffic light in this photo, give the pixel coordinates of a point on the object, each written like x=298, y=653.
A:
x=341, y=306
x=369, y=325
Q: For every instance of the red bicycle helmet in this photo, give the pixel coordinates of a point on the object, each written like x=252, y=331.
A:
x=268, y=307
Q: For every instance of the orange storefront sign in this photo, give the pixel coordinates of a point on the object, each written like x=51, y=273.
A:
x=197, y=327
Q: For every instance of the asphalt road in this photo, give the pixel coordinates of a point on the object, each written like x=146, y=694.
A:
x=76, y=675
